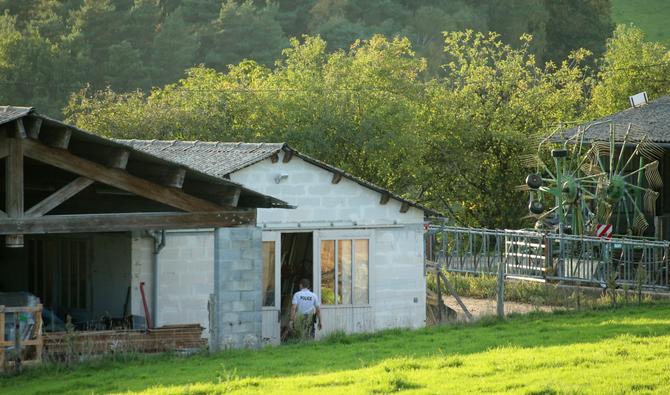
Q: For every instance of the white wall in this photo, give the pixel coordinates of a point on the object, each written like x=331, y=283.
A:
x=397, y=283
x=311, y=189
x=185, y=276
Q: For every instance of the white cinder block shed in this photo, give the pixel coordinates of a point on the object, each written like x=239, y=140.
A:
x=360, y=245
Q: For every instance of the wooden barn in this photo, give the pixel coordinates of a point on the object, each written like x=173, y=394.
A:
x=83, y=222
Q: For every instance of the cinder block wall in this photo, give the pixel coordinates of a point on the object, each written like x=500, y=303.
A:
x=237, y=288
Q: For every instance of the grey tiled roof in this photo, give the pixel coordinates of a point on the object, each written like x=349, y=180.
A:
x=10, y=113
x=216, y=159
x=220, y=159
x=652, y=119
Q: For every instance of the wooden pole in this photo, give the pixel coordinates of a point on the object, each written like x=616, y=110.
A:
x=453, y=293
x=17, y=342
x=2, y=338
x=500, y=305
x=38, y=334
x=438, y=270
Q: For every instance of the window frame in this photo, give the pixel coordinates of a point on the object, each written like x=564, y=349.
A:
x=337, y=236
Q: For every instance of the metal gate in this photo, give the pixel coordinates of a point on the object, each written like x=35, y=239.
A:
x=549, y=256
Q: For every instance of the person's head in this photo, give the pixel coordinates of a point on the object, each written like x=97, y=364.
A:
x=304, y=283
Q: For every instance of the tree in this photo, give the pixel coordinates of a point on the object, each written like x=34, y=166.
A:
x=630, y=65
x=244, y=31
x=173, y=49
x=481, y=118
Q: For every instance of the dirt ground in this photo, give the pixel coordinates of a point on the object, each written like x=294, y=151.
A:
x=485, y=307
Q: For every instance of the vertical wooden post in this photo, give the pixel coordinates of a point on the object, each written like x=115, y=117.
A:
x=14, y=187
x=438, y=270
x=500, y=305
x=17, y=342
x=38, y=333
x=2, y=338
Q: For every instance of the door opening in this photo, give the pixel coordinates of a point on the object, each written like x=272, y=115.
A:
x=296, y=264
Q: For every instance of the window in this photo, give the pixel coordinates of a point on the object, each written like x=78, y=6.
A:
x=345, y=271
x=268, y=273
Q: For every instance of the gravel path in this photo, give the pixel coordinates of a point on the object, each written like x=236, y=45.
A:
x=484, y=307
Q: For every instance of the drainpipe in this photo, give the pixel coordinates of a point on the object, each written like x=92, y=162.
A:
x=159, y=244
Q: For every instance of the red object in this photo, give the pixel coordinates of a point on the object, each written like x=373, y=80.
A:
x=147, y=315
x=604, y=231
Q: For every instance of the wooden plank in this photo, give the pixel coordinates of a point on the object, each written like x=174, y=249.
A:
x=34, y=125
x=20, y=129
x=287, y=156
x=23, y=309
x=453, y=293
x=404, y=207
x=57, y=198
x=2, y=338
x=117, y=178
x=274, y=158
x=4, y=147
x=385, y=198
x=125, y=221
x=14, y=179
x=118, y=159
x=58, y=138
x=232, y=198
x=175, y=177
x=337, y=177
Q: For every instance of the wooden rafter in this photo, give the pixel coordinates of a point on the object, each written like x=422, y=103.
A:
x=124, y=221
x=34, y=124
x=14, y=178
x=337, y=177
x=117, y=178
x=404, y=207
x=20, y=129
x=58, y=138
x=385, y=198
x=58, y=197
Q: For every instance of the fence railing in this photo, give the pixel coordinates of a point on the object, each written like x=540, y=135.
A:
x=550, y=256
x=20, y=336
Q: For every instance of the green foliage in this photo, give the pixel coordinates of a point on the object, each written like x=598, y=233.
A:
x=650, y=15
x=630, y=65
x=627, y=349
x=140, y=44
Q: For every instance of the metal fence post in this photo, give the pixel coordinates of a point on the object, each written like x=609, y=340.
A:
x=500, y=305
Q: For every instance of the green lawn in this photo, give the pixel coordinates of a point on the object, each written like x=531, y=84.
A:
x=649, y=15
x=605, y=351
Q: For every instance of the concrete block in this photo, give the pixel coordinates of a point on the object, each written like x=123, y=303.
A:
x=242, y=306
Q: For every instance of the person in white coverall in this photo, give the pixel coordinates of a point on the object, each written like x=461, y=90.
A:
x=305, y=311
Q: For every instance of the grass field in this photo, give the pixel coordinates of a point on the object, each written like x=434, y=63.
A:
x=649, y=15
x=604, y=351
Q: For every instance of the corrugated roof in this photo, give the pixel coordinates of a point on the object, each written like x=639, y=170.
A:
x=220, y=159
x=652, y=119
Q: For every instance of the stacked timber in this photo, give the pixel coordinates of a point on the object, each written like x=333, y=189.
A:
x=67, y=345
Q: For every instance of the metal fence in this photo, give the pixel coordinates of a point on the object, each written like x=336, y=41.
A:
x=549, y=256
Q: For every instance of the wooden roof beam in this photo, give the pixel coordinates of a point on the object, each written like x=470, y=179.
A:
x=337, y=177
x=117, y=178
x=385, y=198
x=288, y=154
x=404, y=207
x=33, y=126
x=58, y=137
x=82, y=223
x=57, y=198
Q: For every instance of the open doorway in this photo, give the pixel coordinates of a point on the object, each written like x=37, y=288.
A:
x=296, y=263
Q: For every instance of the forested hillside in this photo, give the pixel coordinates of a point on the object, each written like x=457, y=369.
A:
x=398, y=92
x=49, y=49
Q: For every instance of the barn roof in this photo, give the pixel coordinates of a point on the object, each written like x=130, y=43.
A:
x=81, y=140
x=653, y=119
x=220, y=159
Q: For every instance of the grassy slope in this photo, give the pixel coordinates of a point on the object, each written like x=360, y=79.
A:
x=626, y=350
x=649, y=15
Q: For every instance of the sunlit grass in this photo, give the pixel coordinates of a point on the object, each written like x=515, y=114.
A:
x=603, y=351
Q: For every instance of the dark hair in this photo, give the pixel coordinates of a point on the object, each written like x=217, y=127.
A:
x=304, y=283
